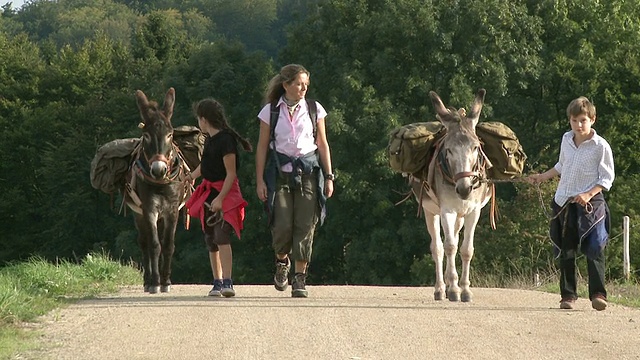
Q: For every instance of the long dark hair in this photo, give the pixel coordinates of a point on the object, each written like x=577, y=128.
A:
x=213, y=113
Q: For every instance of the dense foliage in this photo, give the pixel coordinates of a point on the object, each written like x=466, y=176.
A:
x=69, y=68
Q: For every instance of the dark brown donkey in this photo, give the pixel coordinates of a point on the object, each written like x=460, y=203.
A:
x=156, y=191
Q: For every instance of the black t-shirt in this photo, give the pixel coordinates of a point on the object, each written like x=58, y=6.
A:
x=215, y=148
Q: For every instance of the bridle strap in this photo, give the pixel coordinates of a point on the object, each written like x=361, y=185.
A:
x=465, y=174
x=175, y=167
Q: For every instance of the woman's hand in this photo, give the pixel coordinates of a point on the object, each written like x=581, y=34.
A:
x=216, y=204
x=261, y=190
x=188, y=180
x=328, y=188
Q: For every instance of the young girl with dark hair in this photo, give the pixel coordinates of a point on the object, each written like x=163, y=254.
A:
x=217, y=201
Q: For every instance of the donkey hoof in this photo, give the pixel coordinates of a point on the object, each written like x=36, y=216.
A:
x=165, y=288
x=453, y=296
x=154, y=289
x=438, y=295
x=467, y=296
x=146, y=288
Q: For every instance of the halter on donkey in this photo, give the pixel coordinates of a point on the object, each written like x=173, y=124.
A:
x=156, y=191
x=455, y=195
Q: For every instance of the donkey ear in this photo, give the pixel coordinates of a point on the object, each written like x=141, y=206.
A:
x=477, y=105
x=169, y=101
x=437, y=104
x=143, y=103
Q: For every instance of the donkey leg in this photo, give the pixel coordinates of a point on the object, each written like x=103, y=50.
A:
x=142, y=228
x=437, y=253
x=168, y=248
x=466, y=254
x=154, y=286
x=154, y=258
x=451, y=225
x=146, y=270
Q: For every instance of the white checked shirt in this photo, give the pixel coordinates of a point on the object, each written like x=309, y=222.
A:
x=583, y=167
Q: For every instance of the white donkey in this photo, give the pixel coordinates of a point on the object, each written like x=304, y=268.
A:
x=453, y=194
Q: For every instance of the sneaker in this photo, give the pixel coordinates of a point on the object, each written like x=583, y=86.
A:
x=281, y=277
x=299, y=286
x=227, y=288
x=567, y=303
x=599, y=302
x=217, y=286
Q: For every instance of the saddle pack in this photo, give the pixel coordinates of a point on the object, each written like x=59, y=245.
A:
x=503, y=149
x=411, y=147
x=113, y=160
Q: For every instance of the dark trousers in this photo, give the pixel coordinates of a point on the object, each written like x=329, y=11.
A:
x=567, y=260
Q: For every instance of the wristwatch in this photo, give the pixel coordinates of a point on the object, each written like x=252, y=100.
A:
x=331, y=177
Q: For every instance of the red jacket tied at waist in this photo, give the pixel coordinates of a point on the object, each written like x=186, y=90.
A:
x=232, y=206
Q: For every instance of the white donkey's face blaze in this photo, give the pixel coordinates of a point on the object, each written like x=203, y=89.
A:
x=462, y=153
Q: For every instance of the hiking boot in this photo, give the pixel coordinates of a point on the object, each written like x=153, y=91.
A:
x=298, y=288
x=217, y=286
x=599, y=302
x=567, y=303
x=281, y=277
x=227, y=288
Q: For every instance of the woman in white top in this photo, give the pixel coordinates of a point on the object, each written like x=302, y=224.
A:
x=293, y=172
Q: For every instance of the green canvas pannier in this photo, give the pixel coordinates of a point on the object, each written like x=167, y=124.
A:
x=190, y=141
x=503, y=149
x=112, y=160
x=411, y=146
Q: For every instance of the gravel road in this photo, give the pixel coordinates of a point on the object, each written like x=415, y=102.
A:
x=335, y=322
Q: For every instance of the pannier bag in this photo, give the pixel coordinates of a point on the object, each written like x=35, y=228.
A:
x=503, y=149
x=411, y=146
x=190, y=140
x=110, y=164
x=113, y=160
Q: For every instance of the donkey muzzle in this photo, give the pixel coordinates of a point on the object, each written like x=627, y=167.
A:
x=158, y=166
x=464, y=183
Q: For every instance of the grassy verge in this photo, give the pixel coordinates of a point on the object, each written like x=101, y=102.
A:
x=625, y=293
x=35, y=287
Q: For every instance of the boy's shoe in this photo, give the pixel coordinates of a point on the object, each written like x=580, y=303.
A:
x=281, y=277
x=217, y=287
x=567, y=303
x=299, y=286
x=227, y=288
x=599, y=302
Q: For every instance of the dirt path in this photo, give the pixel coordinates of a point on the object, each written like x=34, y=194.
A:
x=336, y=322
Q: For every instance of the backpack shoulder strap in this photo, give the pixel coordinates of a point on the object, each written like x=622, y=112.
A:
x=313, y=114
x=275, y=114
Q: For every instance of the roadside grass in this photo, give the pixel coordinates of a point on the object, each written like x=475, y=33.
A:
x=622, y=292
x=33, y=288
